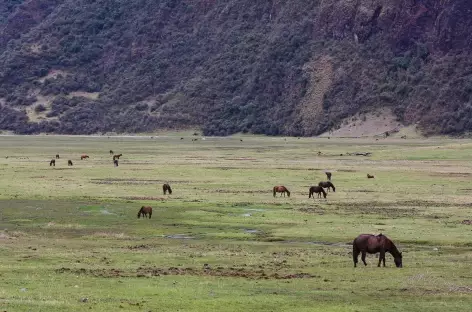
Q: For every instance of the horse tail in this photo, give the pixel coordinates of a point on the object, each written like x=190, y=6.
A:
x=310, y=192
x=150, y=213
x=275, y=188
x=170, y=190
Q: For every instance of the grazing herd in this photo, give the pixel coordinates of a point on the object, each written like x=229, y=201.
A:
x=363, y=244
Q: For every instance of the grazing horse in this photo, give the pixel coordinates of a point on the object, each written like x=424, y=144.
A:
x=373, y=244
x=281, y=189
x=328, y=175
x=111, y=152
x=117, y=156
x=57, y=156
x=144, y=211
x=115, y=162
x=166, y=188
x=316, y=189
x=52, y=163
x=327, y=185
x=84, y=157
x=370, y=176
x=69, y=163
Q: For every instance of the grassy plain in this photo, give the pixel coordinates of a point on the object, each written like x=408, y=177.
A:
x=70, y=239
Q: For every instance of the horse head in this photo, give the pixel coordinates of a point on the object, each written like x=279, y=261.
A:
x=398, y=260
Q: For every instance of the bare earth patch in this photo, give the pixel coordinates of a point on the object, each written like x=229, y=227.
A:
x=156, y=271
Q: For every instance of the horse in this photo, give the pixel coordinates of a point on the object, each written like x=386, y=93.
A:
x=316, y=189
x=57, y=156
x=373, y=244
x=69, y=163
x=84, y=157
x=111, y=152
x=115, y=162
x=144, y=211
x=166, y=188
x=370, y=176
x=327, y=185
x=52, y=163
x=117, y=156
x=281, y=189
x=328, y=175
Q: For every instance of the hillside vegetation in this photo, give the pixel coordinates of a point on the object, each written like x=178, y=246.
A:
x=269, y=67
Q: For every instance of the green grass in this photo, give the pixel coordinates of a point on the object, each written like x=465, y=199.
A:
x=68, y=233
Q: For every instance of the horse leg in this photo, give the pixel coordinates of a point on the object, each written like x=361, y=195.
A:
x=381, y=257
x=363, y=257
x=355, y=255
x=150, y=214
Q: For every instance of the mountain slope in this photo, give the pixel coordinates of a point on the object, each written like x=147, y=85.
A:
x=271, y=67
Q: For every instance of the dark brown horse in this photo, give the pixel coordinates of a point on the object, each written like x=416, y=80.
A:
x=316, y=189
x=144, y=211
x=327, y=185
x=115, y=162
x=370, y=176
x=69, y=162
x=166, y=188
x=84, y=157
x=373, y=244
x=117, y=156
x=281, y=189
x=328, y=175
x=52, y=163
x=57, y=156
x=111, y=152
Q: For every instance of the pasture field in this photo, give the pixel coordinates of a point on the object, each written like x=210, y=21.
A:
x=70, y=239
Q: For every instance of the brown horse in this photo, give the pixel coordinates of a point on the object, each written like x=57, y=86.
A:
x=115, y=162
x=316, y=189
x=57, y=156
x=84, y=157
x=69, y=162
x=117, y=156
x=327, y=185
x=370, y=176
x=328, y=175
x=166, y=188
x=52, y=163
x=281, y=189
x=373, y=244
x=111, y=152
x=144, y=211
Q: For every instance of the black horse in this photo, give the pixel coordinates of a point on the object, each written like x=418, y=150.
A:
x=52, y=162
x=166, y=188
x=316, y=189
x=69, y=163
x=115, y=162
x=327, y=185
x=57, y=156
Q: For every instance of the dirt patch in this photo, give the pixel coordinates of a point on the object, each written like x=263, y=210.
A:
x=346, y=170
x=142, y=198
x=134, y=181
x=239, y=192
x=156, y=271
x=367, y=125
x=450, y=174
x=468, y=222
x=361, y=191
x=312, y=210
x=138, y=247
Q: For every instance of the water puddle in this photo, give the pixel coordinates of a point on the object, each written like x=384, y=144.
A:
x=179, y=236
